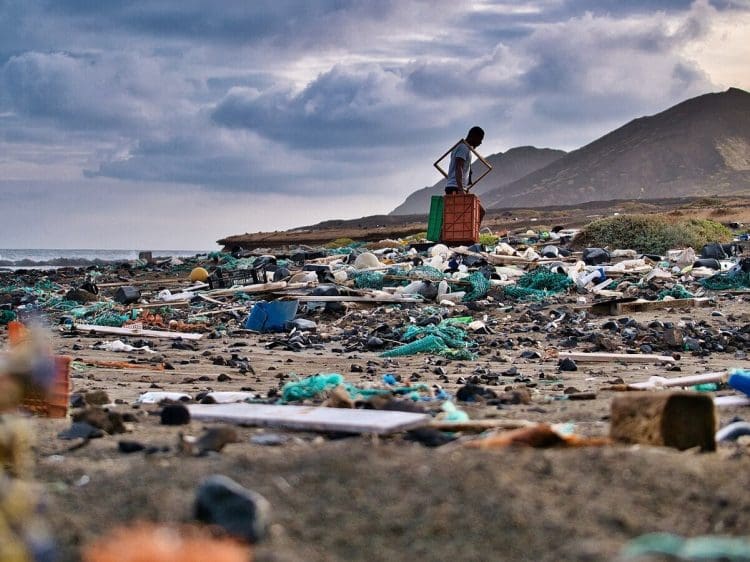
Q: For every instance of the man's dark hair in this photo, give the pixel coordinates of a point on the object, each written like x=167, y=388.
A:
x=476, y=132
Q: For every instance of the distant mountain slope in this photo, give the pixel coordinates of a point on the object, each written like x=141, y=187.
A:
x=506, y=168
x=698, y=147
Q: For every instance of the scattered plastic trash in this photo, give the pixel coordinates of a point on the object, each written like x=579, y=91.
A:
x=119, y=347
x=733, y=431
x=156, y=397
x=452, y=413
x=739, y=379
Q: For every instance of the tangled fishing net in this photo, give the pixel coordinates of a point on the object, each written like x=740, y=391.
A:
x=676, y=292
x=538, y=285
x=443, y=339
x=724, y=281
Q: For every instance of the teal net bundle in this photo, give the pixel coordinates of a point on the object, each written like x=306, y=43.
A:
x=44, y=294
x=538, y=285
x=369, y=280
x=426, y=272
x=111, y=319
x=676, y=292
x=480, y=285
x=724, y=281
x=315, y=385
x=443, y=339
x=7, y=316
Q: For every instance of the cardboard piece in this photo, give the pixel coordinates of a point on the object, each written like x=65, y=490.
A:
x=310, y=418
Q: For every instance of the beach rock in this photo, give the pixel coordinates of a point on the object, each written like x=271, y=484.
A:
x=215, y=439
x=374, y=343
x=80, y=296
x=241, y=512
x=128, y=447
x=111, y=422
x=692, y=344
x=473, y=393
x=567, y=364
x=81, y=430
x=175, y=414
x=429, y=437
x=96, y=398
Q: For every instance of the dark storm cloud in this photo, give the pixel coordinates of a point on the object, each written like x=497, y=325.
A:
x=281, y=24
x=239, y=95
x=577, y=69
x=81, y=91
x=342, y=107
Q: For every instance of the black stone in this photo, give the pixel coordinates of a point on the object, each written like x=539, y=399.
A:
x=128, y=447
x=81, y=430
x=567, y=364
x=429, y=437
x=175, y=414
x=242, y=513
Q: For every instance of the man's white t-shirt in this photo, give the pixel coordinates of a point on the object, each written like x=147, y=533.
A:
x=461, y=151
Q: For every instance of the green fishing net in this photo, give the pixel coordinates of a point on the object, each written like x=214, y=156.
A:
x=315, y=385
x=538, y=285
x=426, y=272
x=7, y=316
x=677, y=292
x=479, y=286
x=369, y=280
x=443, y=339
x=724, y=281
x=429, y=344
x=109, y=319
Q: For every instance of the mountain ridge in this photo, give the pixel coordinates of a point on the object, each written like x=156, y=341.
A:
x=700, y=146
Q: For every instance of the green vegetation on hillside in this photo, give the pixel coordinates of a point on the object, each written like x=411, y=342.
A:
x=651, y=234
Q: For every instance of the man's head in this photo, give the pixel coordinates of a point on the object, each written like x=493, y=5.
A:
x=475, y=136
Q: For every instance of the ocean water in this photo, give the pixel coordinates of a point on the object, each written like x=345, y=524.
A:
x=49, y=258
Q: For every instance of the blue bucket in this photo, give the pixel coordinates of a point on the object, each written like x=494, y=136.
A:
x=271, y=316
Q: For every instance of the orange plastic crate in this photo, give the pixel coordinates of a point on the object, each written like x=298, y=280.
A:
x=54, y=403
x=461, y=219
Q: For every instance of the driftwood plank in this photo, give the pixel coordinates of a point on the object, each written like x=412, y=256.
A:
x=310, y=418
x=632, y=305
x=343, y=298
x=136, y=332
x=689, y=380
x=624, y=357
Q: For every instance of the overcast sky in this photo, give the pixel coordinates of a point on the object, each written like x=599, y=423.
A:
x=169, y=124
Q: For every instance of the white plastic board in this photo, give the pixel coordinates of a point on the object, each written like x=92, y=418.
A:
x=310, y=418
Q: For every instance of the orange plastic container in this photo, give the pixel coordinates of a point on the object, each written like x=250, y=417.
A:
x=53, y=404
x=461, y=219
x=17, y=333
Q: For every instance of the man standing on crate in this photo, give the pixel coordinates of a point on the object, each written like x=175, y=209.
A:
x=459, y=170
